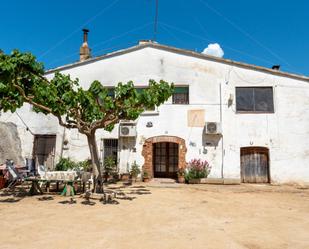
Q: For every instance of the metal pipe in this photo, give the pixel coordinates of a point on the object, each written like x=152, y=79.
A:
x=222, y=140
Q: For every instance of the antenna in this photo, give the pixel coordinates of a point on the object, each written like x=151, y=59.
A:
x=156, y=22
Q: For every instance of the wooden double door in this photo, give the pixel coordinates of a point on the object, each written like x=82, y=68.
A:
x=254, y=165
x=165, y=159
x=44, y=150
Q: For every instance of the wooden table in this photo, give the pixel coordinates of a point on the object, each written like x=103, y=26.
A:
x=67, y=191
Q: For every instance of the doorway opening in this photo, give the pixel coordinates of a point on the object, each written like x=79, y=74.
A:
x=44, y=150
x=165, y=159
x=254, y=166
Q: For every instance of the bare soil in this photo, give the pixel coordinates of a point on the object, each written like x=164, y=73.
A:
x=160, y=216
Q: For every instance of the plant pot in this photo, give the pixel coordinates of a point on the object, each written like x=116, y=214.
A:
x=181, y=179
x=146, y=179
x=195, y=181
x=125, y=177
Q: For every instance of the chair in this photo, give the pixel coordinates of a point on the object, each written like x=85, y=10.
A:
x=16, y=176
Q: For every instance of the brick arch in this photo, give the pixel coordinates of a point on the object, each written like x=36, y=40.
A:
x=147, y=151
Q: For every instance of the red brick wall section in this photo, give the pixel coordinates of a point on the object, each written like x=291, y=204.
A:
x=148, y=150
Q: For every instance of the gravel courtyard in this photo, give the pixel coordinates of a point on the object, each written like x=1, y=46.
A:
x=161, y=216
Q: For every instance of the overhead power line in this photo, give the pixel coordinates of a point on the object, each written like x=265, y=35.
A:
x=204, y=39
x=78, y=29
x=106, y=41
x=241, y=30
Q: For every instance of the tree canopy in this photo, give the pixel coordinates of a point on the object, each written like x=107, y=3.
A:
x=22, y=80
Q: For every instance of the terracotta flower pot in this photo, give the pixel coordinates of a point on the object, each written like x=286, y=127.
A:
x=181, y=179
x=146, y=179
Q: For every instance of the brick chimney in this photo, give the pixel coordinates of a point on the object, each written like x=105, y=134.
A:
x=84, y=51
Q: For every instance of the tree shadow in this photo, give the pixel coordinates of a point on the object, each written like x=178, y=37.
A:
x=88, y=203
x=127, y=198
x=70, y=202
x=45, y=198
x=10, y=200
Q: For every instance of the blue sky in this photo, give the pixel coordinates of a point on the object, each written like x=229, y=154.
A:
x=259, y=32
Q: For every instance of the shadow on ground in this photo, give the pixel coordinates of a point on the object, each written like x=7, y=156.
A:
x=114, y=195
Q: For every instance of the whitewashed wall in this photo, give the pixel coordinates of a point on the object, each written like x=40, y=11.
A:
x=285, y=133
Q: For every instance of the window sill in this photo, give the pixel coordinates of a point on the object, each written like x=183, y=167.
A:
x=250, y=112
x=150, y=113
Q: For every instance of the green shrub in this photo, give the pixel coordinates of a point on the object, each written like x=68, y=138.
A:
x=65, y=164
x=135, y=170
x=84, y=165
x=110, y=166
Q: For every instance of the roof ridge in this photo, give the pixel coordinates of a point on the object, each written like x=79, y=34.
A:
x=180, y=51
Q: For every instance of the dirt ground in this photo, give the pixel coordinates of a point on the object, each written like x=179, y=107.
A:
x=160, y=216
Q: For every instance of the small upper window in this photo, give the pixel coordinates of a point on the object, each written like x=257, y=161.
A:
x=254, y=99
x=181, y=95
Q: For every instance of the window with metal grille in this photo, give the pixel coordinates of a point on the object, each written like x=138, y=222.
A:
x=254, y=99
x=181, y=95
x=111, y=148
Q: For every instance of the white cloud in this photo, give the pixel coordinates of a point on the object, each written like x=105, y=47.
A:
x=214, y=49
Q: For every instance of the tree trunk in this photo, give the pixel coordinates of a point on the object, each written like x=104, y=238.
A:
x=98, y=180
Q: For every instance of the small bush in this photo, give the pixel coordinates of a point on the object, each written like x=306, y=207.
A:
x=197, y=169
x=65, y=164
x=135, y=170
x=110, y=166
x=84, y=165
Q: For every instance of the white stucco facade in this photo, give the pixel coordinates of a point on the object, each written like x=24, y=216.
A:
x=285, y=132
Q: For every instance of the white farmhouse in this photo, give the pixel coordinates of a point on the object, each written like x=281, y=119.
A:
x=250, y=123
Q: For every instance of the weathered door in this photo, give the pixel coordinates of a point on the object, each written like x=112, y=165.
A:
x=254, y=165
x=165, y=159
x=44, y=150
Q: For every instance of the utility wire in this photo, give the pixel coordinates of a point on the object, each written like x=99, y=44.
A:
x=27, y=127
x=105, y=41
x=204, y=39
x=245, y=33
x=78, y=29
x=156, y=21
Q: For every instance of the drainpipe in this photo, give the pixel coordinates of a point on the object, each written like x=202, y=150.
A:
x=222, y=142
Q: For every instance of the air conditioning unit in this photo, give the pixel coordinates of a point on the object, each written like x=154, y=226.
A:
x=127, y=130
x=213, y=128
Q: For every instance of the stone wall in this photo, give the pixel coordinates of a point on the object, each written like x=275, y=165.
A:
x=10, y=145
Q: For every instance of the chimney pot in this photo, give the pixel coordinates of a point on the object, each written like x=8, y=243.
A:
x=276, y=67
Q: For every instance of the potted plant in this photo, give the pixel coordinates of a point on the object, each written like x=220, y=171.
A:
x=196, y=170
x=146, y=177
x=135, y=171
x=181, y=175
x=110, y=167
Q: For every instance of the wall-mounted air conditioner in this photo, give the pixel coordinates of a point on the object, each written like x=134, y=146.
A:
x=127, y=130
x=213, y=128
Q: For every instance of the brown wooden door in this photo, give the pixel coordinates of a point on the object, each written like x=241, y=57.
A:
x=44, y=150
x=254, y=165
x=165, y=159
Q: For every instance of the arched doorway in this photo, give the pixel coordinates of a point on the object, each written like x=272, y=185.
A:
x=254, y=165
x=164, y=155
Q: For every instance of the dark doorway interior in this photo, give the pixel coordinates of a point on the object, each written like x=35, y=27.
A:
x=254, y=165
x=165, y=160
x=44, y=150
